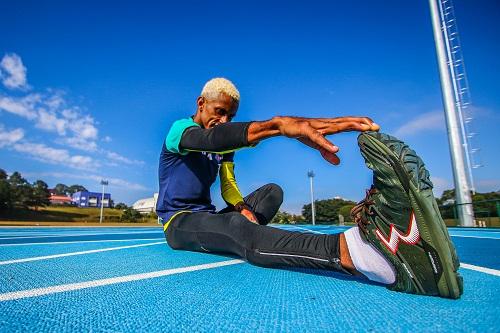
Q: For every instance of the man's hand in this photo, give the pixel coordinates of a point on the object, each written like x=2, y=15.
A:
x=249, y=215
x=312, y=131
x=245, y=210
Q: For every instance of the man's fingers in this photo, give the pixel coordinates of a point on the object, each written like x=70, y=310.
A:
x=327, y=155
x=343, y=124
x=308, y=142
x=330, y=157
x=317, y=138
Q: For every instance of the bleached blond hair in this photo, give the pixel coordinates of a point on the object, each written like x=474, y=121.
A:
x=219, y=85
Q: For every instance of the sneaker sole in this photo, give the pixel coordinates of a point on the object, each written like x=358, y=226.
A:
x=413, y=176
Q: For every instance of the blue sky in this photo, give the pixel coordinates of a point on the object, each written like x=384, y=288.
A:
x=89, y=89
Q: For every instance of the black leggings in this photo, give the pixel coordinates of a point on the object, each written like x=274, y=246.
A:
x=230, y=232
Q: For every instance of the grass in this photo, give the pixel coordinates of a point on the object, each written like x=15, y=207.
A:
x=491, y=222
x=66, y=214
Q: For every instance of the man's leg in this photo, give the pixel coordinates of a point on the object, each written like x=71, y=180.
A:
x=264, y=202
x=259, y=245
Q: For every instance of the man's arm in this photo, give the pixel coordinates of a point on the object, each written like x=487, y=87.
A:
x=310, y=131
x=220, y=139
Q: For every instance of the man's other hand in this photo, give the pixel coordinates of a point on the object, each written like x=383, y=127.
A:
x=249, y=215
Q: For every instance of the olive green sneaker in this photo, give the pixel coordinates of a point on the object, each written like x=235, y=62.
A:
x=400, y=217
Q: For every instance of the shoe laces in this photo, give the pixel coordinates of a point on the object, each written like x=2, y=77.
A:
x=363, y=206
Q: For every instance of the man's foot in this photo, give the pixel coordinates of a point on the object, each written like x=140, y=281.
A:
x=400, y=217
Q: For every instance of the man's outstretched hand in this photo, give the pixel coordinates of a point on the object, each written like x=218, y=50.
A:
x=312, y=131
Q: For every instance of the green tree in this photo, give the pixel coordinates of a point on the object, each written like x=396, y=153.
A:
x=61, y=189
x=327, y=211
x=121, y=206
x=346, y=212
x=282, y=217
x=485, y=204
x=297, y=219
x=21, y=191
x=5, y=197
x=75, y=188
x=40, y=194
x=130, y=215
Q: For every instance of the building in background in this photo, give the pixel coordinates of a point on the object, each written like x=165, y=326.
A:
x=91, y=199
x=60, y=199
x=147, y=205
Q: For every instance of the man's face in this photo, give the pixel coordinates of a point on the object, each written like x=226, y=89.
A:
x=216, y=111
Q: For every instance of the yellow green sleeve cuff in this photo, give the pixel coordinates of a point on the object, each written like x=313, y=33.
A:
x=229, y=189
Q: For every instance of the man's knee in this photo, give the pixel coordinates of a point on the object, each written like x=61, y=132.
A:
x=275, y=192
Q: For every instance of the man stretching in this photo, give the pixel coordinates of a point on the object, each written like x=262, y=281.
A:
x=401, y=240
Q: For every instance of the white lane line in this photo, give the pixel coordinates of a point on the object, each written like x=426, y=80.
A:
x=314, y=231
x=70, y=254
x=486, y=270
x=78, y=235
x=90, y=241
x=473, y=237
x=104, y=282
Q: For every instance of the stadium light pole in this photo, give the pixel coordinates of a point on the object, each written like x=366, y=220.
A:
x=311, y=175
x=462, y=189
x=103, y=183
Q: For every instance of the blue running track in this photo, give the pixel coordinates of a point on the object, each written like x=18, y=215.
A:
x=129, y=280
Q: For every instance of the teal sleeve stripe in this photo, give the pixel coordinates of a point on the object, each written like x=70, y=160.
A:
x=174, y=136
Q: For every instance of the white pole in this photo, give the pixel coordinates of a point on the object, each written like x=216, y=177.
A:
x=310, y=174
x=462, y=190
x=102, y=203
x=103, y=183
x=458, y=97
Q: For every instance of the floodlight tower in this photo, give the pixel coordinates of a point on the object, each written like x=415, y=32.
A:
x=455, y=91
x=311, y=175
x=103, y=183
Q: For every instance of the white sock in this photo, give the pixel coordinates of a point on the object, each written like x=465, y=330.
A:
x=367, y=259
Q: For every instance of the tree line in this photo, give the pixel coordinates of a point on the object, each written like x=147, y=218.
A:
x=485, y=204
x=328, y=211
x=17, y=192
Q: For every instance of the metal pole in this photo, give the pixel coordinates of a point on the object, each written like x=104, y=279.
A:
x=103, y=183
x=462, y=190
x=458, y=97
x=310, y=174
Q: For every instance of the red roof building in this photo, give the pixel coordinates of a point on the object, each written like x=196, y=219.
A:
x=60, y=200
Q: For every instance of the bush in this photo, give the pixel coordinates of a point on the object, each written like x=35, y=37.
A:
x=130, y=215
x=121, y=206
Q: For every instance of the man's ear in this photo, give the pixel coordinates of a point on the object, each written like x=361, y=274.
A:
x=200, y=102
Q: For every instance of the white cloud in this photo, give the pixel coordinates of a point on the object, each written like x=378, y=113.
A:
x=14, y=140
x=51, y=155
x=119, y=158
x=116, y=182
x=440, y=185
x=8, y=138
x=49, y=121
x=424, y=122
x=488, y=185
x=23, y=107
x=14, y=72
x=52, y=112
